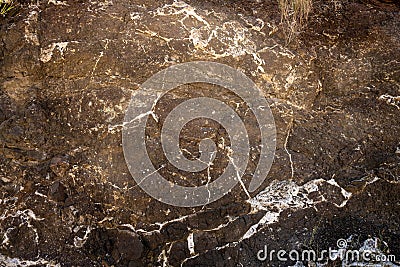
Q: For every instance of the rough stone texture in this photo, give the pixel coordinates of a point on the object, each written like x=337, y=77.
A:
x=67, y=72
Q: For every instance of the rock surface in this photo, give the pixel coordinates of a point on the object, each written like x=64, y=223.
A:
x=68, y=69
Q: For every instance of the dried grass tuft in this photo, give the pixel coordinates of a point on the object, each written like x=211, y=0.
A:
x=294, y=15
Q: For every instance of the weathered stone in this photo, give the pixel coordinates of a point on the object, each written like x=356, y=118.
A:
x=67, y=73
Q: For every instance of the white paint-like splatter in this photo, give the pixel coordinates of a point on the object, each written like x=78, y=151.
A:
x=232, y=37
x=283, y=195
x=78, y=241
x=190, y=242
x=58, y=3
x=391, y=100
x=30, y=28
x=12, y=262
x=47, y=53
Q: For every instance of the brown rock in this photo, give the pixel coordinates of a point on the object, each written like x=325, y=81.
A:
x=57, y=192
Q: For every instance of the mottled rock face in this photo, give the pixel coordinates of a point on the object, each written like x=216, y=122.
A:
x=68, y=71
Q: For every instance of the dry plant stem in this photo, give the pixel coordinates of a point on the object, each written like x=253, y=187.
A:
x=5, y=6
